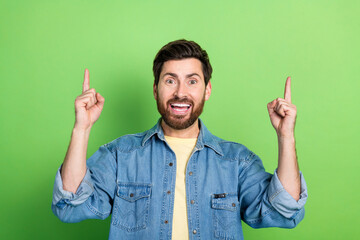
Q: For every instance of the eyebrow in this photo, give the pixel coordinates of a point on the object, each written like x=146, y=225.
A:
x=176, y=76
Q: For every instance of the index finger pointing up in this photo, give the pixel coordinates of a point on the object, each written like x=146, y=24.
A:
x=287, y=94
x=86, y=83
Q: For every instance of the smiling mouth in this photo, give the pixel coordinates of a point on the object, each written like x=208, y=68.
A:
x=180, y=108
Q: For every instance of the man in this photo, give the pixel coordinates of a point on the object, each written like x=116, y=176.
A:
x=177, y=180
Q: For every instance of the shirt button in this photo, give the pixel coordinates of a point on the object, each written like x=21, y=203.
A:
x=190, y=173
x=168, y=192
x=233, y=204
x=194, y=231
x=192, y=201
x=170, y=164
x=131, y=194
x=166, y=221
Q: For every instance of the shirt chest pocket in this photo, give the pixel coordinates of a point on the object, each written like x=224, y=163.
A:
x=226, y=215
x=131, y=206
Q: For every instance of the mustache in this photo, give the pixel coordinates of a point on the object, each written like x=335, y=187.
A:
x=180, y=100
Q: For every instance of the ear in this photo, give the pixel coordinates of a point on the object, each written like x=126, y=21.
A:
x=155, y=91
x=208, y=91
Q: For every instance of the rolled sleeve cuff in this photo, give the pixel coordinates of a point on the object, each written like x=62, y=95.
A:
x=62, y=197
x=282, y=201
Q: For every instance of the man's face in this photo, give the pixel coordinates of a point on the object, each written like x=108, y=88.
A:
x=181, y=92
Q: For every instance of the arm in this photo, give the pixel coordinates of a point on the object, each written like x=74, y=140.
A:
x=275, y=200
x=74, y=167
x=84, y=189
x=94, y=196
x=88, y=107
x=288, y=169
x=283, y=116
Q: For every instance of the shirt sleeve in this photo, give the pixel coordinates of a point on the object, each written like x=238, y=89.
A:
x=282, y=201
x=94, y=196
x=61, y=196
x=263, y=200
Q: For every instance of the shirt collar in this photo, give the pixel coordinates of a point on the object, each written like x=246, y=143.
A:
x=205, y=138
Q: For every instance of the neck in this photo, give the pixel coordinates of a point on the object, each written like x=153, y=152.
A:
x=190, y=132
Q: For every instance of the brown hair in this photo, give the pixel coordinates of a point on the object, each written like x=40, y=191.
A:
x=181, y=49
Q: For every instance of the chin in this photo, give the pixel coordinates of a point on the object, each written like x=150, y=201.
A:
x=179, y=122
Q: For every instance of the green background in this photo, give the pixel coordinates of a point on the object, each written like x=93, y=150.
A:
x=253, y=46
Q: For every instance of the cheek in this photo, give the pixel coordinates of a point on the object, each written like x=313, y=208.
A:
x=200, y=96
x=162, y=98
x=165, y=93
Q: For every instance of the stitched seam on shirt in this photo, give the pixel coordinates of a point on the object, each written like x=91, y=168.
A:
x=104, y=185
x=275, y=195
x=227, y=158
x=236, y=158
x=112, y=152
x=267, y=212
x=117, y=148
x=117, y=139
x=238, y=144
x=96, y=211
x=90, y=185
x=214, y=149
x=224, y=141
x=296, y=213
x=249, y=160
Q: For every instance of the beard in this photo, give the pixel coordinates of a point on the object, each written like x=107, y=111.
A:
x=180, y=122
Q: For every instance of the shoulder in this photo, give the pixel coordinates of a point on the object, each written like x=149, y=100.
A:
x=234, y=151
x=228, y=150
x=126, y=143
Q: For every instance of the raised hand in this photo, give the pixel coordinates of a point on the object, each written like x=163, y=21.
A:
x=88, y=105
x=283, y=113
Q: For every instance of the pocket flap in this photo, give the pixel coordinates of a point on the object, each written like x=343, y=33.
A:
x=133, y=191
x=225, y=201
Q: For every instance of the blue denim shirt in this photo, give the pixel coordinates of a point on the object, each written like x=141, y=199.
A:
x=132, y=179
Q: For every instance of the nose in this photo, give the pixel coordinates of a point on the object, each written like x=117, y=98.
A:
x=181, y=90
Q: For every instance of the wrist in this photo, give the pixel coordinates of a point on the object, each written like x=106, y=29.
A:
x=286, y=137
x=81, y=130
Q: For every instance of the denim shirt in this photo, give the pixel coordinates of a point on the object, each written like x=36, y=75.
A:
x=132, y=179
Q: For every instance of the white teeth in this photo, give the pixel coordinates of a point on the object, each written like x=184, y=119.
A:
x=180, y=105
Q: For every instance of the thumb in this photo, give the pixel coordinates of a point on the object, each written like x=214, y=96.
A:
x=271, y=105
x=100, y=100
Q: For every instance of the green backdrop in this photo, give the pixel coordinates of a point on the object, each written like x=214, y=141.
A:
x=253, y=46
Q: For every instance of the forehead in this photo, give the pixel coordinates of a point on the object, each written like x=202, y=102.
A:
x=182, y=67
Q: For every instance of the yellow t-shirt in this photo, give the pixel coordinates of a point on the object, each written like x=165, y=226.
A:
x=182, y=148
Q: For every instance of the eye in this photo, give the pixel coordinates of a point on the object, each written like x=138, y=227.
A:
x=170, y=81
x=193, y=81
